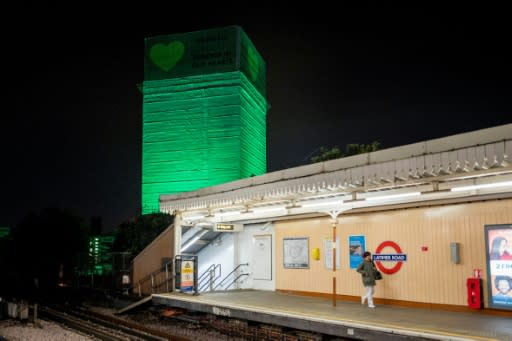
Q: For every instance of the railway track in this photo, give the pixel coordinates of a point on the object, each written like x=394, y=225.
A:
x=105, y=328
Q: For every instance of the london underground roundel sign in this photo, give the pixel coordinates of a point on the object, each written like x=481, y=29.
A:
x=398, y=257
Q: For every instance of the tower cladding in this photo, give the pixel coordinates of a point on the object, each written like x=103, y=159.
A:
x=204, y=112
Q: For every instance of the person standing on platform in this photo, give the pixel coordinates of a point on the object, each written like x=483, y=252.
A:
x=367, y=270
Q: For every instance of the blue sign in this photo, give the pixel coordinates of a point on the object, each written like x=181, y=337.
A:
x=356, y=247
x=396, y=257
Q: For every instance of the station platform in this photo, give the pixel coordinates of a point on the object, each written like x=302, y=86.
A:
x=348, y=319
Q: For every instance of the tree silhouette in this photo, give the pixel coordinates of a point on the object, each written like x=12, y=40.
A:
x=134, y=236
x=325, y=154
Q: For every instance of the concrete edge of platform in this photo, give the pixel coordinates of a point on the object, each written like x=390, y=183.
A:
x=350, y=327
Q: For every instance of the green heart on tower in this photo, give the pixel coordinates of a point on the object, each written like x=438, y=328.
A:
x=166, y=56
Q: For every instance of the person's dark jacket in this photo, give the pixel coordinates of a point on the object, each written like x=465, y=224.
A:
x=367, y=271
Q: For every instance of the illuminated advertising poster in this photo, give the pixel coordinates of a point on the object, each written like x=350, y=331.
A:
x=498, y=242
x=357, y=247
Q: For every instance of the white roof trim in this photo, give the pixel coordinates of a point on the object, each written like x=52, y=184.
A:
x=479, y=153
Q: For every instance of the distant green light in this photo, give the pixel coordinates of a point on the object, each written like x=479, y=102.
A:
x=204, y=112
x=4, y=232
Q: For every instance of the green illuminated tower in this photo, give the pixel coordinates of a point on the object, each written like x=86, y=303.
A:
x=204, y=112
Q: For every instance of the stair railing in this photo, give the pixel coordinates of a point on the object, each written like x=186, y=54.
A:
x=225, y=279
x=159, y=279
x=208, y=277
x=236, y=280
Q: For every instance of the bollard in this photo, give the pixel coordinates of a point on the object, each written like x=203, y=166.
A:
x=23, y=311
x=13, y=310
x=35, y=313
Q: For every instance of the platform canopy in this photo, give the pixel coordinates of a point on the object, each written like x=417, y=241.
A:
x=465, y=167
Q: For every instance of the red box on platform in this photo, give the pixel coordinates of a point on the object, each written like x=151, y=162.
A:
x=475, y=295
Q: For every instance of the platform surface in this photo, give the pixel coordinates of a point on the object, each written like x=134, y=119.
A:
x=347, y=319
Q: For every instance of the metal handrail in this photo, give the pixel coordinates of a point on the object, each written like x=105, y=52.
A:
x=203, y=275
x=155, y=287
x=225, y=278
x=210, y=280
x=236, y=279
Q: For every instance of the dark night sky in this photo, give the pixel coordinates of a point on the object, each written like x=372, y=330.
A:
x=71, y=120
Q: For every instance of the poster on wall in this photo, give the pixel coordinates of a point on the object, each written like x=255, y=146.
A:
x=356, y=247
x=296, y=253
x=498, y=243
x=328, y=253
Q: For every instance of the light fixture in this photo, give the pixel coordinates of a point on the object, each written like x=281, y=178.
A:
x=193, y=240
x=194, y=217
x=227, y=214
x=268, y=209
x=482, y=186
x=325, y=203
x=394, y=196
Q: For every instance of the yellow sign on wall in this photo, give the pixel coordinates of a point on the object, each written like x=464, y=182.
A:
x=316, y=253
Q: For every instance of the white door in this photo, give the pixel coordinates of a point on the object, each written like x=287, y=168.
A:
x=262, y=257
